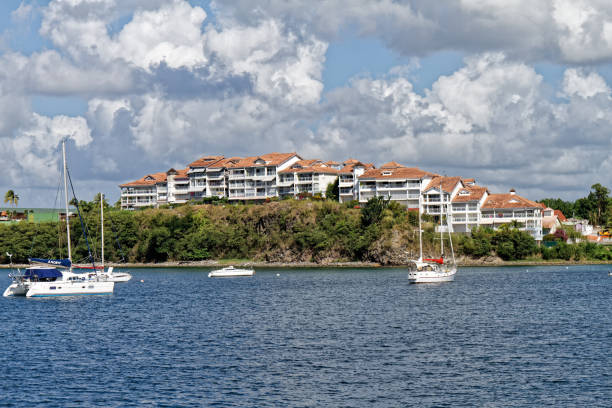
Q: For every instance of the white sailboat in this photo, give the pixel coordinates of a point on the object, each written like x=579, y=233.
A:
x=433, y=270
x=109, y=274
x=55, y=277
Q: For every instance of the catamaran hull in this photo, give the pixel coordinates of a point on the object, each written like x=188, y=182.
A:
x=45, y=289
x=16, y=289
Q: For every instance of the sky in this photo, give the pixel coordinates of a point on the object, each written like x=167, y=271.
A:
x=513, y=93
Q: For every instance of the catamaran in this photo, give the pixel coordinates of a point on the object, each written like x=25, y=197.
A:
x=55, y=277
x=432, y=270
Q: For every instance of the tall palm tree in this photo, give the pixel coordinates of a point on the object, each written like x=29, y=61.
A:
x=11, y=198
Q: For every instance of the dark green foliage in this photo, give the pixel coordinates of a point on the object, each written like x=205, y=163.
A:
x=372, y=211
x=332, y=191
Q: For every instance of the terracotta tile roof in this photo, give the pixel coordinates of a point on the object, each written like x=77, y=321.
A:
x=178, y=174
x=476, y=193
x=332, y=163
x=270, y=159
x=448, y=183
x=306, y=163
x=560, y=215
x=348, y=169
x=311, y=169
x=225, y=163
x=469, y=180
x=350, y=161
x=391, y=165
x=205, y=161
x=508, y=200
x=413, y=173
x=148, y=180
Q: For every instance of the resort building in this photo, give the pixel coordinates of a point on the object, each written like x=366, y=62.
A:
x=348, y=182
x=150, y=190
x=459, y=201
x=500, y=209
x=306, y=177
x=466, y=205
x=178, y=186
x=257, y=178
x=198, y=181
x=397, y=182
x=437, y=195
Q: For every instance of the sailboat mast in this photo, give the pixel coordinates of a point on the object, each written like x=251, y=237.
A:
x=450, y=237
x=66, y=199
x=102, y=225
x=441, y=205
x=420, y=229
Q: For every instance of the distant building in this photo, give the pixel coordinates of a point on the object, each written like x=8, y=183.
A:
x=499, y=209
x=398, y=183
x=465, y=204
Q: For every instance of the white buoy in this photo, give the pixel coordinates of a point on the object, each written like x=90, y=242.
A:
x=142, y=281
x=278, y=274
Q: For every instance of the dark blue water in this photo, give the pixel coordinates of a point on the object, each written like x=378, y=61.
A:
x=496, y=337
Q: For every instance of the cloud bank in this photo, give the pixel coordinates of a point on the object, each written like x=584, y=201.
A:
x=166, y=82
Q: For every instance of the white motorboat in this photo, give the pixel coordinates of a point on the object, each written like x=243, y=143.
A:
x=432, y=270
x=55, y=277
x=229, y=272
x=112, y=276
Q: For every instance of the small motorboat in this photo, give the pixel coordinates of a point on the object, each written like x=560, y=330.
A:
x=229, y=272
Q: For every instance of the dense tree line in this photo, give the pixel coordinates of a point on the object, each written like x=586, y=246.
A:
x=278, y=231
x=596, y=207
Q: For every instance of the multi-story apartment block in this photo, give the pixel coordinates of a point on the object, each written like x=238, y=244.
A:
x=399, y=183
x=256, y=178
x=437, y=195
x=150, y=190
x=499, y=209
x=306, y=176
x=178, y=186
x=466, y=205
x=348, y=183
x=198, y=182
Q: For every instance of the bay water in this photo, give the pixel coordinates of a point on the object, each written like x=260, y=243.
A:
x=495, y=337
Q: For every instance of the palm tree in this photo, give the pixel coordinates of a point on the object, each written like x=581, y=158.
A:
x=11, y=198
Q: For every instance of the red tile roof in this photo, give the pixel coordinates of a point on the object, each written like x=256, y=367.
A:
x=508, y=200
x=476, y=194
x=413, y=173
x=270, y=159
x=148, y=180
x=391, y=165
x=311, y=169
x=226, y=162
x=448, y=183
x=560, y=215
x=205, y=161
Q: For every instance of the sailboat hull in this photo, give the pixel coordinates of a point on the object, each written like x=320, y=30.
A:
x=432, y=276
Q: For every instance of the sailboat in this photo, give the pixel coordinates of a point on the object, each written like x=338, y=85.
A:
x=432, y=270
x=109, y=274
x=55, y=277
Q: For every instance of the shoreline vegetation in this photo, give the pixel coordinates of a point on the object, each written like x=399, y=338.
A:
x=286, y=233
x=339, y=265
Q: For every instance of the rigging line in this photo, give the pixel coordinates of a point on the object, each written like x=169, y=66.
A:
x=83, y=227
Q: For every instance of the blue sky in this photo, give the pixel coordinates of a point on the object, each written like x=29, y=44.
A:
x=475, y=89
